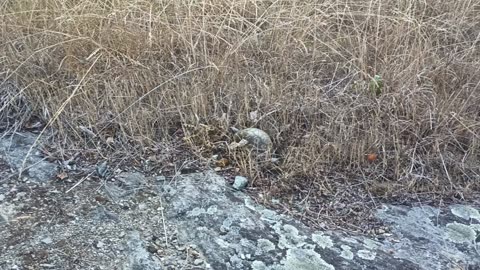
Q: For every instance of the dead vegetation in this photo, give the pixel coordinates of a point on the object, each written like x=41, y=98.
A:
x=141, y=72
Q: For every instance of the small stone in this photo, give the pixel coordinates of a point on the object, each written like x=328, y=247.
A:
x=181, y=248
x=240, y=182
x=47, y=265
x=152, y=249
x=102, y=169
x=99, y=244
x=198, y=262
x=2, y=197
x=47, y=240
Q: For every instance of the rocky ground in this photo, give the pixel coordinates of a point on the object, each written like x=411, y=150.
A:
x=99, y=218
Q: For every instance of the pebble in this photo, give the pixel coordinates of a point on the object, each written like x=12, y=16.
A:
x=47, y=240
x=47, y=265
x=102, y=169
x=2, y=197
x=99, y=244
x=198, y=262
x=240, y=182
x=152, y=249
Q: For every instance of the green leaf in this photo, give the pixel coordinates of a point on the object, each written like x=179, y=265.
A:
x=376, y=85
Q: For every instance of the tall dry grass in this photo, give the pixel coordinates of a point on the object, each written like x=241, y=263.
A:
x=138, y=70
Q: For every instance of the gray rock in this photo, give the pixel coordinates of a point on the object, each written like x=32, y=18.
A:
x=14, y=148
x=240, y=182
x=139, y=257
x=432, y=238
x=100, y=215
x=47, y=240
x=272, y=241
x=127, y=185
x=102, y=169
x=198, y=262
x=226, y=229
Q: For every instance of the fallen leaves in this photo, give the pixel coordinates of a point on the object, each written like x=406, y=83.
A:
x=62, y=176
x=223, y=162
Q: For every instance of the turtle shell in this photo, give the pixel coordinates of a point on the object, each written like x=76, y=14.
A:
x=255, y=137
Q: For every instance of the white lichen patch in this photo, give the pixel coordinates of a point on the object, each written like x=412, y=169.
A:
x=259, y=265
x=197, y=211
x=465, y=212
x=212, y=210
x=269, y=215
x=460, y=233
x=222, y=243
x=366, y=254
x=264, y=246
x=289, y=236
x=7, y=212
x=346, y=252
x=350, y=240
x=226, y=224
x=475, y=227
x=305, y=259
x=323, y=241
x=370, y=244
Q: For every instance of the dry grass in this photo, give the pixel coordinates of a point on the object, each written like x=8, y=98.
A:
x=139, y=70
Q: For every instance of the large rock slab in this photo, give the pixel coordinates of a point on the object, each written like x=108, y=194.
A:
x=198, y=221
x=432, y=238
x=235, y=233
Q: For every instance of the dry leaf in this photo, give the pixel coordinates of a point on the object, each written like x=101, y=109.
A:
x=110, y=140
x=62, y=175
x=254, y=115
x=223, y=162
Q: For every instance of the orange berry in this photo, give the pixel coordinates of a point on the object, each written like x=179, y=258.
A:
x=372, y=157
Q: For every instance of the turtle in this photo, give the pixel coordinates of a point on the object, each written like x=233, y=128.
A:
x=254, y=137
